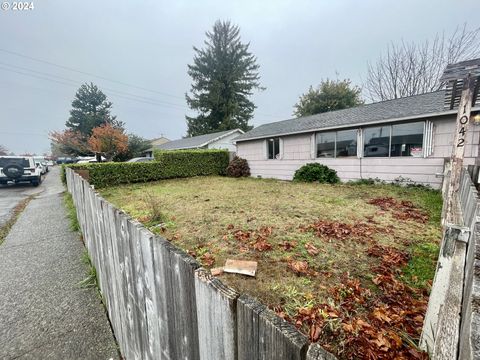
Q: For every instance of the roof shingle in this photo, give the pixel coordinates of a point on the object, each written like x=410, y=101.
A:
x=411, y=106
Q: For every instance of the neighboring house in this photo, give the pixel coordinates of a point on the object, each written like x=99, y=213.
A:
x=218, y=140
x=155, y=142
x=409, y=137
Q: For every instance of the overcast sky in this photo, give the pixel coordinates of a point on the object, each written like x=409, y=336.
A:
x=145, y=46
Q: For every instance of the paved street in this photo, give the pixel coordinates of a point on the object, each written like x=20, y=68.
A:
x=11, y=195
x=44, y=313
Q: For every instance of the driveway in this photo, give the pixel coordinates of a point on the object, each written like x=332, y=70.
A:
x=44, y=312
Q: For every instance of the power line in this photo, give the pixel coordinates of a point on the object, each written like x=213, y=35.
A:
x=77, y=82
x=89, y=74
x=74, y=83
x=144, y=99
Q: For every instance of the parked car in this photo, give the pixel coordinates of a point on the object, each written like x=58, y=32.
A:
x=140, y=159
x=41, y=162
x=19, y=169
x=50, y=163
x=87, y=160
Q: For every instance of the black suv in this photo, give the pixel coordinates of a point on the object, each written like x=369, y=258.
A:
x=19, y=169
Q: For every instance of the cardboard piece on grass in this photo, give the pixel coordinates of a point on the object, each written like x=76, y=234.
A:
x=216, y=271
x=243, y=267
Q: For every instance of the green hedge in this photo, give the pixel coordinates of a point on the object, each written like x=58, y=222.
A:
x=167, y=165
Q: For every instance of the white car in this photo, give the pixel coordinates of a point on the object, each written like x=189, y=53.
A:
x=42, y=163
x=19, y=169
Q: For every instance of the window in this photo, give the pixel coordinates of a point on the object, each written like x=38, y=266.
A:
x=273, y=148
x=407, y=139
x=394, y=140
x=346, y=143
x=337, y=143
x=376, y=141
x=326, y=144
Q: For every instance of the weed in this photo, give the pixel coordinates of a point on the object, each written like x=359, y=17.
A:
x=71, y=212
x=91, y=281
x=154, y=206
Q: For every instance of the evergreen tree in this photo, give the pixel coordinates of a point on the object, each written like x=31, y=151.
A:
x=329, y=96
x=90, y=109
x=224, y=75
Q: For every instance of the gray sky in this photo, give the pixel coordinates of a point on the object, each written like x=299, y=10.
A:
x=148, y=44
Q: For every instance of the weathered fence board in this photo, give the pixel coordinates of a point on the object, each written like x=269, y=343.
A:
x=264, y=335
x=316, y=352
x=217, y=313
x=452, y=322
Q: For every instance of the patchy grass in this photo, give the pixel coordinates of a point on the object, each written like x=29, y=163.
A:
x=321, y=250
x=71, y=211
x=91, y=280
x=17, y=210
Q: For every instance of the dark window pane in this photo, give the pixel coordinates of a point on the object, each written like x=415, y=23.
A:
x=326, y=144
x=407, y=139
x=273, y=148
x=346, y=143
x=270, y=149
x=376, y=140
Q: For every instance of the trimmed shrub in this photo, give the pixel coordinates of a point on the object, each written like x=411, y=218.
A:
x=238, y=167
x=316, y=172
x=168, y=165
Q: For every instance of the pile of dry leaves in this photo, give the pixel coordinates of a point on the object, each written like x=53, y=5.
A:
x=334, y=230
x=365, y=324
x=402, y=209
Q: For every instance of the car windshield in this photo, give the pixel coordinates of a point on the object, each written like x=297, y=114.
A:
x=18, y=161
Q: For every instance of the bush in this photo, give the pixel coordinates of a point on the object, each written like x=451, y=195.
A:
x=316, y=172
x=238, y=167
x=168, y=165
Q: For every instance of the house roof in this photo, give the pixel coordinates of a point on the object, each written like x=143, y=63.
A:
x=159, y=140
x=391, y=110
x=196, y=141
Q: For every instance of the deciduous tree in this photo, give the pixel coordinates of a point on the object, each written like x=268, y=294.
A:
x=108, y=141
x=69, y=142
x=330, y=95
x=3, y=150
x=224, y=75
x=412, y=68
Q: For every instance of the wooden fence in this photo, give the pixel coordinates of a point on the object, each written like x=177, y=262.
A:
x=452, y=323
x=163, y=305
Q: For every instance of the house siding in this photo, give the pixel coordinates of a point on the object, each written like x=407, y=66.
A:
x=297, y=151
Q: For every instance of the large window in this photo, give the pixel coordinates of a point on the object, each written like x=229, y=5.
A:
x=346, y=144
x=394, y=140
x=326, y=144
x=376, y=141
x=273, y=148
x=337, y=143
x=407, y=139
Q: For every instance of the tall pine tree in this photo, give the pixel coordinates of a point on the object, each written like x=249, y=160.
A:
x=224, y=75
x=90, y=109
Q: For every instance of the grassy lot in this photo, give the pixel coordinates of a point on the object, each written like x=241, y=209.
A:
x=350, y=265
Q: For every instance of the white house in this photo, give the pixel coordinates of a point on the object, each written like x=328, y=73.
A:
x=411, y=137
x=217, y=140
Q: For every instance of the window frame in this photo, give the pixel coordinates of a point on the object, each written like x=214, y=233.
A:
x=277, y=157
x=335, y=132
x=427, y=140
x=390, y=125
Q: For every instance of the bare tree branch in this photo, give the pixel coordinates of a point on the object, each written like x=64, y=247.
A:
x=415, y=68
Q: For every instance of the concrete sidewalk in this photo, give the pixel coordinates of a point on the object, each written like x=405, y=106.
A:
x=44, y=313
